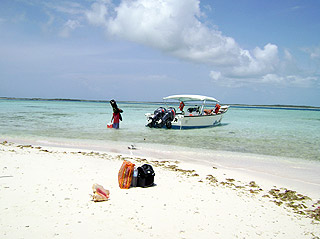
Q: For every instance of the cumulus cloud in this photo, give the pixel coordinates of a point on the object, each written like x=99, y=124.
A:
x=176, y=27
x=259, y=62
x=172, y=26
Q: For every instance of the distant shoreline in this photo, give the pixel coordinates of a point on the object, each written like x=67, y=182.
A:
x=288, y=107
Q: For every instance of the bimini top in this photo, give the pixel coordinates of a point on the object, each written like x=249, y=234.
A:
x=190, y=98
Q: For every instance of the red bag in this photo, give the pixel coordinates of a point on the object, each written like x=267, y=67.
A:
x=125, y=174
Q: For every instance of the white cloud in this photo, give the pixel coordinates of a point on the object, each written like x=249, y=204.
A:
x=172, y=26
x=273, y=79
x=215, y=75
x=314, y=52
x=98, y=13
x=303, y=82
x=287, y=55
x=175, y=27
x=67, y=7
x=48, y=24
x=160, y=24
x=69, y=26
x=260, y=62
x=295, y=8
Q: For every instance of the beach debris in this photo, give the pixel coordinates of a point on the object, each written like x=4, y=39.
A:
x=229, y=184
x=295, y=201
x=6, y=176
x=230, y=180
x=25, y=146
x=254, y=188
x=287, y=195
x=170, y=165
x=99, y=193
x=132, y=147
x=253, y=184
x=45, y=150
x=315, y=214
x=211, y=179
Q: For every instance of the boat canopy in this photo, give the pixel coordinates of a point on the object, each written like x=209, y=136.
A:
x=190, y=98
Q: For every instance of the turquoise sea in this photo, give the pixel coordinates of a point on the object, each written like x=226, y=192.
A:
x=293, y=132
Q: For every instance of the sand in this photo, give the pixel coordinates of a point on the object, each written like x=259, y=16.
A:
x=45, y=193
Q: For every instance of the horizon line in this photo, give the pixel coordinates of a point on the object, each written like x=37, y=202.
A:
x=282, y=106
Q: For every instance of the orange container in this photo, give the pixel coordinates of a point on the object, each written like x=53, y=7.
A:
x=109, y=126
x=125, y=174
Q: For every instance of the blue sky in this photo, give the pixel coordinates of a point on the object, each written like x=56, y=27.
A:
x=244, y=51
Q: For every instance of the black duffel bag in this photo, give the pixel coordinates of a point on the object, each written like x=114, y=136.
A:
x=145, y=176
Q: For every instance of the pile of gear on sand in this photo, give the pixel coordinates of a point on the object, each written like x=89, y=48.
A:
x=129, y=176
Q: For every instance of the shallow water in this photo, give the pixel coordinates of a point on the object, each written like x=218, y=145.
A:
x=264, y=131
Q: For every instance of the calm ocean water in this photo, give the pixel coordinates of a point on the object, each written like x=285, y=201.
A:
x=265, y=131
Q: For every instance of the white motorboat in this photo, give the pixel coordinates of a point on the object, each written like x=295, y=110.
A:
x=205, y=112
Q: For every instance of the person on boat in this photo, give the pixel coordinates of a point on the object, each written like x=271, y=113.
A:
x=208, y=111
x=116, y=116
x=181, y=106
x=217, y=108
x=212, y=111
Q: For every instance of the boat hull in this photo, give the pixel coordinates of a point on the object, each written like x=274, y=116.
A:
x=181, y=121
x=197, y=121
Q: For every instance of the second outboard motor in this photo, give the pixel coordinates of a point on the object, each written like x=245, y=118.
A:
x=157, y=116
x=168, y=117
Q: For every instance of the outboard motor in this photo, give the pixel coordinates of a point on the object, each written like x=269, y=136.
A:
x=168, y=117
x=155, y=121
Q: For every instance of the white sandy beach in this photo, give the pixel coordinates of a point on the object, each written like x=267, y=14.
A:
x=45, y=193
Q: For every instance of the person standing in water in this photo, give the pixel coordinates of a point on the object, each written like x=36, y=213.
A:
x=116, y=116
